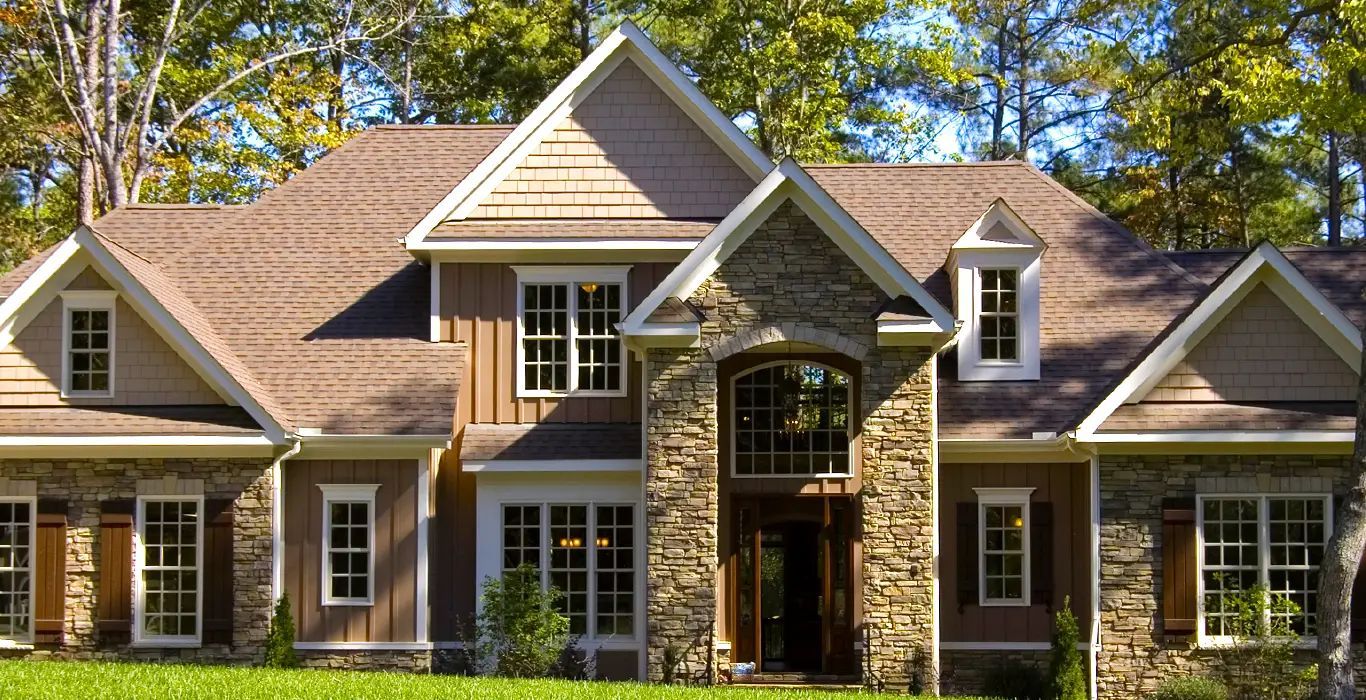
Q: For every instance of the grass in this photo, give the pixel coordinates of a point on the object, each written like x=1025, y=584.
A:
x=58, y=680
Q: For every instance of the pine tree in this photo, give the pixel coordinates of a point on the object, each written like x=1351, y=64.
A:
x=280, y=638
x=1068, y=677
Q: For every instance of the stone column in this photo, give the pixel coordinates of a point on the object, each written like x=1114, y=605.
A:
x=898, y=516
x=681, y=511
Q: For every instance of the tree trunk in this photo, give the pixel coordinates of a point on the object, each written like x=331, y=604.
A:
x=1334, y=182
x=998, y=115
x=1022, y=78
x=1339, y=571
x=85, y=191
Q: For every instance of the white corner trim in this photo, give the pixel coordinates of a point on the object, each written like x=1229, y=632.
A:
x=1263, y=264
x=424, y=513
x=434, y=302
x=277, y=520
x=1094, y=651
x=505, y=466
x=627, y=42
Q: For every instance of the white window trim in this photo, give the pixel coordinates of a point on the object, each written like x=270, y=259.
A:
x=1003, y=497
x=140, y=638
x=1028, y=263
x=1263, y=553
x=27, y=638
x=347, y=493
x=570, y=275
x=87, y=300
x=543, y=566
x=979, y=313
x=853, y=453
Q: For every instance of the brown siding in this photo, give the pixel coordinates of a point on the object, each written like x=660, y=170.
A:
x=146, y=370
x=627, y=151
x=1063, y=485
x=392, y=617
x=1260, y=352
x=454, y=540
x=479, y=307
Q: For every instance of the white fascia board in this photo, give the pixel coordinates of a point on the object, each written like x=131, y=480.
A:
x=627, y=42
x=1264, y=264
x=1230, y=436
x=135, y=441
x=316, y=440
x=14, y=311
x=557, y=245
x=554, y=465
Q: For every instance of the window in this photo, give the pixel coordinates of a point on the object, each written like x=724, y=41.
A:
x=595, y=575
x=348, y=543
x=1003, y=541
x=1276, y=541
x=999, y=315
x=791, y=419
x=569, y=341
x=88, y=340
x=170, y=559
x=16, y=570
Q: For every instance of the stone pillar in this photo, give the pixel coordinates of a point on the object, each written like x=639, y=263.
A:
x=898, y=516
x=681, y=512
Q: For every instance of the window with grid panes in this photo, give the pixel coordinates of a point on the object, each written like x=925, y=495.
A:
x=16, y=569
x=569, y=337
x=1003, y=552
x=792, y=419
x=170, y=535
x=521, y=536
x=569, y=547
x=999, y=314
x=349, y=529
x=88, y=360
x=614, y=543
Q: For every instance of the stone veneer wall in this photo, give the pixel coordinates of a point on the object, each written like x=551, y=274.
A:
x=85, y=483
x=790, y=275
x=1134, y=658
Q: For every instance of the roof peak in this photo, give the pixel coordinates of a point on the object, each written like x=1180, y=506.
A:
x=946, y=164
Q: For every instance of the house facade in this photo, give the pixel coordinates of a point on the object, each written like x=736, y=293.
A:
x=864, y=422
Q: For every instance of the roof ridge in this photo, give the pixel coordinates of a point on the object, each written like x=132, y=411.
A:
x=945, y=164
x=418, y=127
x=110, y=241
x=180, y=205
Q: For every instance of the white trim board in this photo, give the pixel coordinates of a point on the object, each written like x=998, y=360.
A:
x=571, y=466
x=1264, y=264
x=627, y=42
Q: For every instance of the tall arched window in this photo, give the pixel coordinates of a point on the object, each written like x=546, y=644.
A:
x=791, y=419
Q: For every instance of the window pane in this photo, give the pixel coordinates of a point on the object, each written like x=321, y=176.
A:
x=569, y=563
x=792, y=419
x=1297, y=530
x=170, y=567
x=15, y=569
x=614, y=543
x=1003, y=552
x=998, y=313
x=348, y=550
x=544, y=337
x=521, y=536
x=1230, y=558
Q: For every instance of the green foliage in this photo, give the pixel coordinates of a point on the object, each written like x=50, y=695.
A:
x=1259, y=663
x=1012, y=680
x=520, y=628
x=280, y=637
x=1067, y=675
x=1190, y=688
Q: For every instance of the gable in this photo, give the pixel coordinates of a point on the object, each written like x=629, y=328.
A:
x=1261, y=351
x=147, y=371
x=626, y=151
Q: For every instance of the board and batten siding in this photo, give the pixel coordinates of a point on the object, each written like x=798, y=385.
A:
x=1067, y=488
x=392, y=617
x=479, y=308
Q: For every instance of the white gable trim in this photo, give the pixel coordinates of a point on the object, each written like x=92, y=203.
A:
x=58, y=270
x=789, y=181
x=998, y=212
x=627, y=42
x=1265, y=264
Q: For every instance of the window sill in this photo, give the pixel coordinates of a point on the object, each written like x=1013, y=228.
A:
x=1304, y=643
x=15, y=645
x=87, y=394
x=348, y=603
x=571, y=394
x=167, y=644
x=1004, y=603
x=804, y=477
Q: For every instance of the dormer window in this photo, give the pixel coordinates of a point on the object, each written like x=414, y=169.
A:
x=996, y=267
x=88, y=343
x=568, y=343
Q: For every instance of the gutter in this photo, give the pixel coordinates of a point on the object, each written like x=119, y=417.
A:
x=277, y=519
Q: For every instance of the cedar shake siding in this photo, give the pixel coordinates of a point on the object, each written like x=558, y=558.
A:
x=627, y=151
x=147, y=371
x=392, y=617
x=479, y=308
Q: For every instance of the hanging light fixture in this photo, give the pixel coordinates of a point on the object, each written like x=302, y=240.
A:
x=589, y=287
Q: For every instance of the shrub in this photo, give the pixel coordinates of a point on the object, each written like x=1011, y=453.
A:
x=1013, y=680
x=1260, y=661
x=519, y=624
x=1190, y=688
x=280, y=637
x=1067, y=677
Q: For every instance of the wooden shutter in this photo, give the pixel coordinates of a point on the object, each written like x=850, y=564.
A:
x=967, y=554
x=1041, y=554
x=1179, y=574
x=218, y=571
x=49, y=573
x=115, y=602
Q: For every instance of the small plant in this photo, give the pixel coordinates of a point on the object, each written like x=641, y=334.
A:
x=520, y=625
x=574, y=663
x=1259, y=662
x=1067, y=676
x=1013, y=680
x=673, y=658
x=1190, y=688
x=280, y=637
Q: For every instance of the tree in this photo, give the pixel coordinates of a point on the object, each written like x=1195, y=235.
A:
x=280, y=637
x=1067, y=677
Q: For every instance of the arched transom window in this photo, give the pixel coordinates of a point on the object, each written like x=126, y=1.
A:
x=792, y=419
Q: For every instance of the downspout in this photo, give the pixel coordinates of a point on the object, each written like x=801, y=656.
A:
x=1094, y=642
x=277, y=519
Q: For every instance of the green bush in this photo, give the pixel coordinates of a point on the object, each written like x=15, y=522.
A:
x=280, y=638
x=1013, y=680
x=1067, y=676
x=1261, y=663
x=1190, y=688
x=520, y=626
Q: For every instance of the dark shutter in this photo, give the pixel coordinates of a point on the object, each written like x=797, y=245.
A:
x=967, y=555
x=218, y=571
x=49, y=573
x=1041, y=554
x=1179, y=574
x=115, y=603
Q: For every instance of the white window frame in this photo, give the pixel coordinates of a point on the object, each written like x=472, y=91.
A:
x=140, y=637
x=1263, y=551
x=976, y=250
x=980, y=313
x=850, y=432
x=27, y=638
x=571, y=276
x=347, y=493
x=543, y=558
x=87, y=300
x=989, y=497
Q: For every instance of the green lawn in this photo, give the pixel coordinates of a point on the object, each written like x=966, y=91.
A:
x=83, y=679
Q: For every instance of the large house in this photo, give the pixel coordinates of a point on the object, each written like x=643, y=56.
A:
x=840, y=421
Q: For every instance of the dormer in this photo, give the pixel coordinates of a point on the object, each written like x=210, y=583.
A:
x=995, y=267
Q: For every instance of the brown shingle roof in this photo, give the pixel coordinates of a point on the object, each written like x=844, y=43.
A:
x=567, y=228
x=483, y=442
x=134, y=420
x=1340, y=273
x=1231, y=416
x=16, y=277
